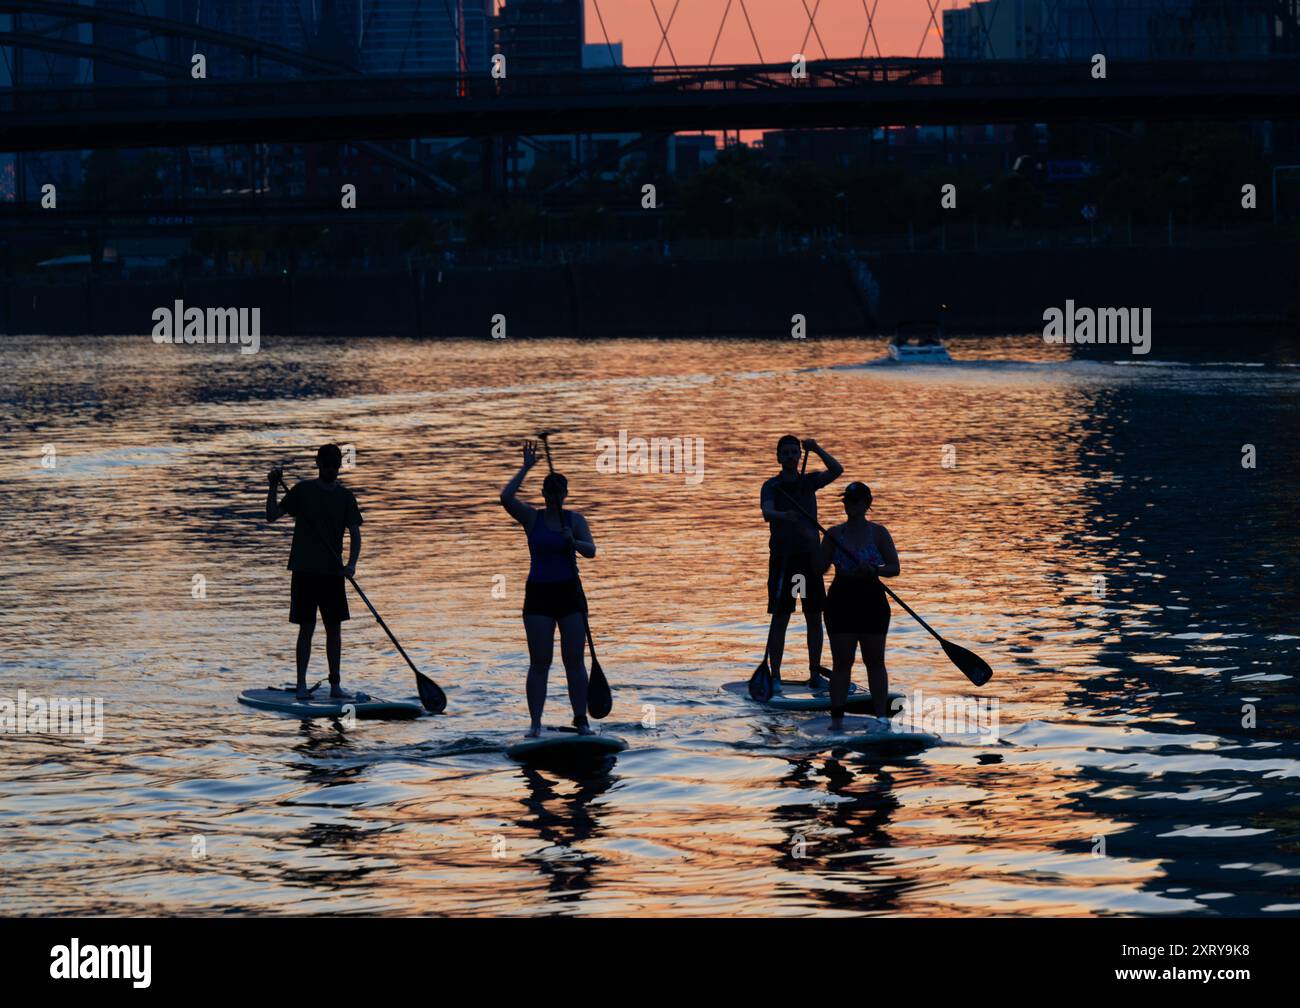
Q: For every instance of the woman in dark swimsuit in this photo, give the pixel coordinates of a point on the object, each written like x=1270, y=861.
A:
x=553, y=595
x=857, y=610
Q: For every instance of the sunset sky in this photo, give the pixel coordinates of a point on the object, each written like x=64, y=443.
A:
x=780, y=26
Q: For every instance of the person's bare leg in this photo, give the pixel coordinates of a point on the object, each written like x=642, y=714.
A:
x=776, y=646
x=573, y=645
x=541, y=648
x=844, y=649
x=814, y=621
x=873, y=654
x=305, y=631
x=334, y=655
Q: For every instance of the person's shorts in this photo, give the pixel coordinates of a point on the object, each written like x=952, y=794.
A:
x=555, y=599
x=781, y=592
x=309, y=592
x=857, y=606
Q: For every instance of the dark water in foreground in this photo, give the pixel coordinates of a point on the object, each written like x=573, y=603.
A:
x=1094, y=535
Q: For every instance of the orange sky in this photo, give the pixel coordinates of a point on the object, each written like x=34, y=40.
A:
x=780, y=26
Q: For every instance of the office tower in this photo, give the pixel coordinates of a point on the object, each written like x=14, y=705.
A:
x=1121, y=29
x=541, y=35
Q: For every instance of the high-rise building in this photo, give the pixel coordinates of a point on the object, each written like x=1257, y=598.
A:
x=993, y=29
x=410, y=36
x=541, y=35
x=1121, y=29
x=23, y=66
x=373, y=36
x=116, y=37
x=600, y=55
x=1154, y=29
x=285, y=23
x=477, y=15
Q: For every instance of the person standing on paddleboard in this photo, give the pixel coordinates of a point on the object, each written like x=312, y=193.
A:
x=322, y=508
x=857, y=610
x=792, y=550
x=553, y=594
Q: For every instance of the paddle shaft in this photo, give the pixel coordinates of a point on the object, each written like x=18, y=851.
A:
x=353, y=581
x=844, y=549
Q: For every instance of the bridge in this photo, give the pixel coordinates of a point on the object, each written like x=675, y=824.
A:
x=835, y=93
x=311, y=93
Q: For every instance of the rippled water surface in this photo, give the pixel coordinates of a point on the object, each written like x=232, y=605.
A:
x=1087, y=526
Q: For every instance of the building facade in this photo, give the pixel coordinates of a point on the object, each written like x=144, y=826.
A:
x=541, y=35
x=1122, y=29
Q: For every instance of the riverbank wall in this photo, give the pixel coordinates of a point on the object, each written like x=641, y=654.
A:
x=864, y=293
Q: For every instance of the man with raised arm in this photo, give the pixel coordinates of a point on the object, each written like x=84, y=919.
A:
x=794, y=568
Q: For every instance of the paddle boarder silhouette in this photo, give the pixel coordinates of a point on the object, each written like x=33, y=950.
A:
x=794, y=568
x=553, y=594
x=322, y=508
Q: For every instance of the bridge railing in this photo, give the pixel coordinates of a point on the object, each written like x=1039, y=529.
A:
x=878, y=77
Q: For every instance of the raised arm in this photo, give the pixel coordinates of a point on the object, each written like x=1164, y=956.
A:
x=520, y=511
x=833, y=469
x=273, y=509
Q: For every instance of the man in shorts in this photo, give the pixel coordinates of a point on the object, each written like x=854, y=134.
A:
x=322, y=508
x=794, y=562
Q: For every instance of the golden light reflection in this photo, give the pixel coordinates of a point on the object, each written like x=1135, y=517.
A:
x=1002, y=481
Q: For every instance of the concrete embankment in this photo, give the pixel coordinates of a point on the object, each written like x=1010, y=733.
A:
x=996, y=291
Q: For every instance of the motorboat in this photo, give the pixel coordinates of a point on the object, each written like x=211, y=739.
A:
x=919, y=353
x=925, y=348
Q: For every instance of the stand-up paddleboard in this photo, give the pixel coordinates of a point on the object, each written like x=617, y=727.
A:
x=798, y=697
x=283, y=701
x=564, y=744
x=864, y=732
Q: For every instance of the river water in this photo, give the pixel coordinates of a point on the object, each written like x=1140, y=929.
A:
x=1087, y=526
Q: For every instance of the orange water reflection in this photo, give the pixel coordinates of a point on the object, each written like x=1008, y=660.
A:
x=1120, y=663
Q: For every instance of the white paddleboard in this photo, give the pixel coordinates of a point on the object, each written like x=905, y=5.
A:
x=557, y=743
x=865, y=732
x=283, y=701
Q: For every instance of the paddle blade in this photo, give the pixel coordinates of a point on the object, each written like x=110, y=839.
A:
x=599, y=702
x=432, y=697
x=973, y=667
x=760, y=683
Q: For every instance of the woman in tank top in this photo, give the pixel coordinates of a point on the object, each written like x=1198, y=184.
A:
x=553, y=594
x=857, y=609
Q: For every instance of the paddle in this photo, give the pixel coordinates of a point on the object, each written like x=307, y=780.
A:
x=599, y=700
x=432, y=697
x=761, y=686
x=760, y=683
x=972, y=666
